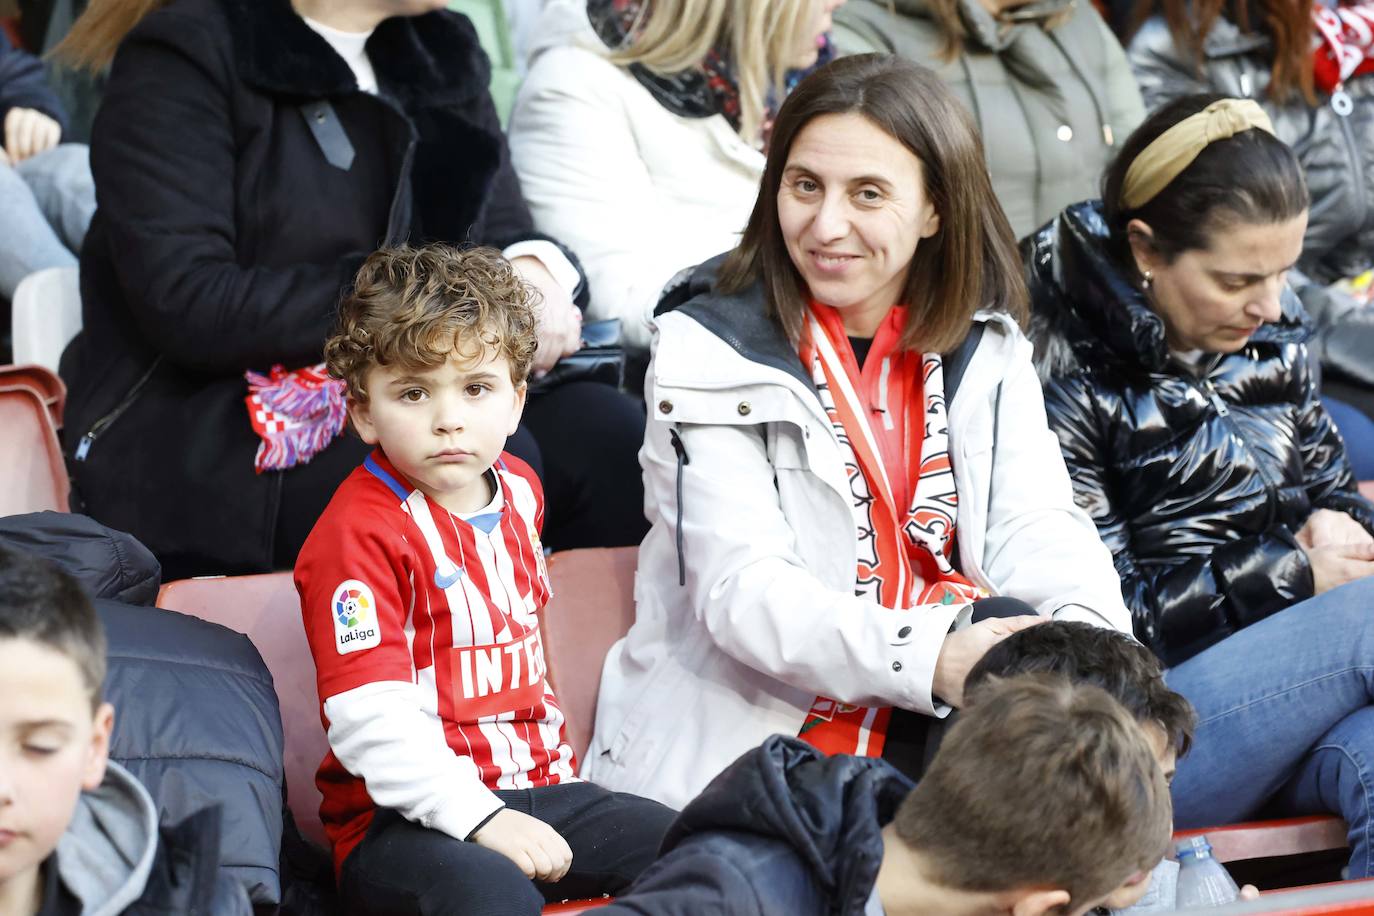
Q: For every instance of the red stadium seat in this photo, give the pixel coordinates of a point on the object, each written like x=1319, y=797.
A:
x=1348, y=898
x=569, y=907
x=42, y=381
x=593, y=605
x=267, y=611
x=34, y=477
x=1267, y=839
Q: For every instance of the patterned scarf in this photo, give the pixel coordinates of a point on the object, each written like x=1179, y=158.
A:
x=901, y=461
x=709, y=89
x=296, y=414
x=1344, y=43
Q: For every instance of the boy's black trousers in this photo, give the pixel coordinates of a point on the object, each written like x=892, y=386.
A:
x=403, y=869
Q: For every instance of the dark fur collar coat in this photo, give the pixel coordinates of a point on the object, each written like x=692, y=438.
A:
x=1197, y=480
x=242, y=177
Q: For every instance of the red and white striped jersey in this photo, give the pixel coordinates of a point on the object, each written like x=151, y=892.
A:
x=428, y=660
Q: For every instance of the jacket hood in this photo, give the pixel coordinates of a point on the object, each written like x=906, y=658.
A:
x=435, y=57
x=107, y=853
x=742, y=321
x=1085, y=311
x=108, y=563
x=983, y=28
x=563, y=23
x=830, y=810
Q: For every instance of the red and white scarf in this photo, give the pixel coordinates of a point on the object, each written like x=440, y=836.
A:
x=1343, y=43
x=890, y=419
x=296, y=413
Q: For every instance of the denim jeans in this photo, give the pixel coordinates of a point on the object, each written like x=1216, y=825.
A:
x=46, y=203
x=1358, y=432
x=1285, y=720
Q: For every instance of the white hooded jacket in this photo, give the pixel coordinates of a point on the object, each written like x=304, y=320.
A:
x=758, y=514
x=637, y=191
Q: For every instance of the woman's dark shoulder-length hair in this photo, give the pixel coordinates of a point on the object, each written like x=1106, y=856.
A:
x=1250, y=177
x=970, y=263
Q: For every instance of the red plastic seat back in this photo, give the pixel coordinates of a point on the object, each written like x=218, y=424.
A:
x=570, y=907
x=1265, y=839
x=32, y=475
x=593, y=605
x=266, y=609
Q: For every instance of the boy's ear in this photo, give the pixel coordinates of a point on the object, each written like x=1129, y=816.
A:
x=99, y=752
x=1030, y=902
x=361, y=417
x=522, y=391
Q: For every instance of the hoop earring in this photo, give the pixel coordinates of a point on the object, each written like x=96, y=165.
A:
x=1146, y=280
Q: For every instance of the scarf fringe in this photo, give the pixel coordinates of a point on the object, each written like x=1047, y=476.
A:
x=303, y=411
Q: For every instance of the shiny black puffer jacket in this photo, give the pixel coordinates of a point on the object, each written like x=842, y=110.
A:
x=1198, y=484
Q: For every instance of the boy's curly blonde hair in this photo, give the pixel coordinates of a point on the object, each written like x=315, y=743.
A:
x=417, y=307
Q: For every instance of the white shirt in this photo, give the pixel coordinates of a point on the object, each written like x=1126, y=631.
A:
x=352, y=47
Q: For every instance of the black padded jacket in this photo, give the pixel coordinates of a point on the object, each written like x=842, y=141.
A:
x=1198, y=480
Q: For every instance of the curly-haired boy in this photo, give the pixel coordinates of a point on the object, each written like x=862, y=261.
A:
x=449, y=784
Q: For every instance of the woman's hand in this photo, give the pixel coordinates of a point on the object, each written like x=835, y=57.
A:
x=1336, y=564
x=963, y=648
x=1338, y=548
x=560, y=321
x=29, y=132
x=539, y=850
x=1326, y=527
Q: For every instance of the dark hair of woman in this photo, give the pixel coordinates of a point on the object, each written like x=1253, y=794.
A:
x=1287, y=24
x=970, y=263
x=1251, y=177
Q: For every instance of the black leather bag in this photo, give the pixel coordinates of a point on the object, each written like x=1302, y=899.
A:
x=601, y=359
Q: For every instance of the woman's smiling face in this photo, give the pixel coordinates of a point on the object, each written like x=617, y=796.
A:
x=852, y=208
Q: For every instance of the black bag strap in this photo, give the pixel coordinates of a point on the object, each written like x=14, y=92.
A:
x=956, y=362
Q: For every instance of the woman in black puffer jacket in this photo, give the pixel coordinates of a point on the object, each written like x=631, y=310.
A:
x=1179, y=384
x=1264, y=49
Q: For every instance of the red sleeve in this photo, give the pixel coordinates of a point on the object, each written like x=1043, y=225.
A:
x=354, y=577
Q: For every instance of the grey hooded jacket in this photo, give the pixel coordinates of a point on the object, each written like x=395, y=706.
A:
x=116, y=860
x=1047, y=83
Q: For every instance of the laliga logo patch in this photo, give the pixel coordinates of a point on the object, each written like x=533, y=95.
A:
x=355, y=618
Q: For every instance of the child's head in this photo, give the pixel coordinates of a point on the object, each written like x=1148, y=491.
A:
x=1119, y=665
x=435, y=345
x=1045, y=794
x=54, y=729
x=1104, y=658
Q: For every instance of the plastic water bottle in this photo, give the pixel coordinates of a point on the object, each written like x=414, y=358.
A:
x=1202, y=880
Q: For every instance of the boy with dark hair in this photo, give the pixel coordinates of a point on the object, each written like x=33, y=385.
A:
x=1104, y=658
x=78, y=834
x=1132, y=675
x=449, y=784
x=1043, y=799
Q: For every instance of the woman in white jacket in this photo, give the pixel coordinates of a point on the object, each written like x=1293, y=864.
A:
x=780, y=589
x=638, y=129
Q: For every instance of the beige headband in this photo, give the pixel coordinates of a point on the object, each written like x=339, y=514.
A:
x=1175, y=149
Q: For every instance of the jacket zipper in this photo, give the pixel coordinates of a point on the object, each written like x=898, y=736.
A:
x=1210, y=390
x=1351, y=146
x=83, y=447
